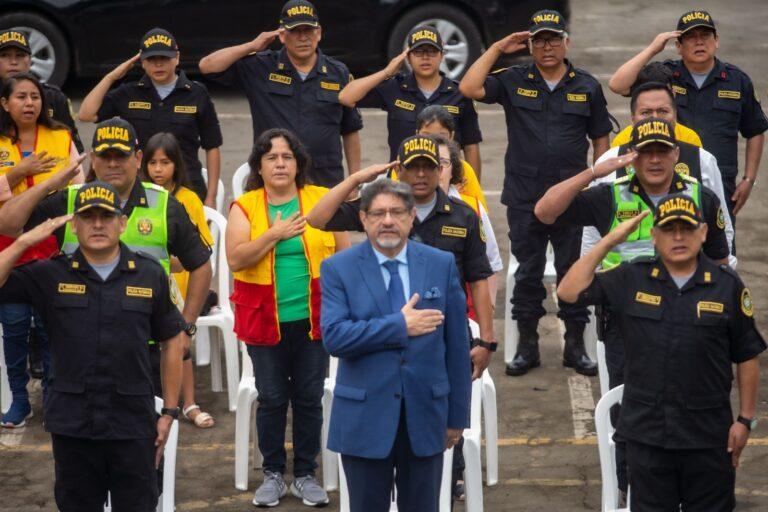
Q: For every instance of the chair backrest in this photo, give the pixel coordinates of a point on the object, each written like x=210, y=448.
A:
x=238, y=180
x=220, y=192
x=222, y=267
x=601, y=367
x=607, y=447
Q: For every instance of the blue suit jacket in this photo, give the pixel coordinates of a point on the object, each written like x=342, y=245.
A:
x=380, y=365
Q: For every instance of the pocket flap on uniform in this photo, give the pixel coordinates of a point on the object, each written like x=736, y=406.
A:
x=712, y=319
x=523, y=169
x=70, y=301
x=729, y=104
x=645, y=311
x=715, y=401
x=349, y=392
x=441, y=389
x=579, y=108
x=136, y=304
x=68, y=386
x=639, y=395
x=134, y=388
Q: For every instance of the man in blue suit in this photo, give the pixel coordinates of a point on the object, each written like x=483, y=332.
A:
x=394, y=314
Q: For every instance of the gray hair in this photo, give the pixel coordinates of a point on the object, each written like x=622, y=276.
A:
x=389, y=187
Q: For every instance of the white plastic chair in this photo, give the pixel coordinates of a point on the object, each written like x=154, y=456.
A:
x=238, y=180
x=246, y=396
x=330, y=459
x=166, y=502
x=222, y=318
x=490, y=428
x=220, y=192
x=602, y=367
x=5, y=387
x=607, y=447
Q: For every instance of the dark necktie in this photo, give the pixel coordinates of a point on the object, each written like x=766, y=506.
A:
x=396, y=291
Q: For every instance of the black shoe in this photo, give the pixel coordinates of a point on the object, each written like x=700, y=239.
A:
x=574, y=354
x=527, y=355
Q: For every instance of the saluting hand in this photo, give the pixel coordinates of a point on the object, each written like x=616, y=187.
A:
x=660, y=41
x=42, y=231
x=264, y=39
x=62, y=178
x=609, y=165
x=370, y=173
x=164, y=423
x=737, y=440
x=121, y=70
x=292, y=226
x=36, y=163
x=513, y=42
x=624, y=229
x=394, y=65
x=420, y=321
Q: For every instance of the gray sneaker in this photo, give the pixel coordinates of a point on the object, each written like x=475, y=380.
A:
x=309, y=491
x=271, y=490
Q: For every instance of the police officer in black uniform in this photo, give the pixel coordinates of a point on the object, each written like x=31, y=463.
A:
x=16, y=57
x=404, y=95
x=296, y=88
x=685, y=320
x=100, y=306
x=714, y=98
x=552, y=110
x=163, y=100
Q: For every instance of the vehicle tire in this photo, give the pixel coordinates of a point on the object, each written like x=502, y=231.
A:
x=50, y=51
x=461, y=36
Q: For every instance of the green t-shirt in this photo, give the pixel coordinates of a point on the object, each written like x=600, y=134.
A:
x=291, y=270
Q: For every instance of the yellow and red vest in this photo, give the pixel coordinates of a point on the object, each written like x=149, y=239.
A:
x=254, y=295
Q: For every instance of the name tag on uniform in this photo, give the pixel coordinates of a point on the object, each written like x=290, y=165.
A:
x=646, y=298
x=71, y=288
x=185, y=109
x=404, y=105
x=330, y=86
x=142, y=105
x=709, y=307
x=731, y=95
x=452, y=109
x=679, y=90
x=528, y=93
x=627, y=214
x=576, y=97
x=136, y=291
x=282, y=79
x=454, y=231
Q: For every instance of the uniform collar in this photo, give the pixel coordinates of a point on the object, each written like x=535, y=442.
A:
x=532, y=73
x=409, y=83
x=705, y=274
x=285, y=64
x=127, y=263
x=137, y=197
x=719, y=72
x=443, y=203
x=182, y=82
x=677, y=185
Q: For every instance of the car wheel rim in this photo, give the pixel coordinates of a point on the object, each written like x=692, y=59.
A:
x=455, y=46
x=43, y=54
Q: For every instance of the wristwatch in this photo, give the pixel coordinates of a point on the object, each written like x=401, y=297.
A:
x=492, y=345
x=750, y=424
x=190, y=329
x=173, y=412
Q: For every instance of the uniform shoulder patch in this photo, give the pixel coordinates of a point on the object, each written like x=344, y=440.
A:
x=623, y=179
x=688, y=178
x=746, y=302
x=720, y=218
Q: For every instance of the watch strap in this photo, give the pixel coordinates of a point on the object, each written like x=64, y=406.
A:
x=749, y=423
x=173, y=412
x=488, y=345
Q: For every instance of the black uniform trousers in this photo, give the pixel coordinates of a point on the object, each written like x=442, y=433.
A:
x=665, y=480
x=528, y=239
x=86, y=469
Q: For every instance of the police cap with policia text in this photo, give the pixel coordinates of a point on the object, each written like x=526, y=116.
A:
x=653, y=131
x=114, y=133
x=417, y=146
x=158, y=42
x=677, y=207
x=548, y=20
x=14, y=39
x=693, y=19
x=97, y=194
x=422, y=35
x=298, y=12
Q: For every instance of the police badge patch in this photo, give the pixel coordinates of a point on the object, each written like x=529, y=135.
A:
x=682, y=168
x=720, y=218
x=746, y=303
x=145, y=226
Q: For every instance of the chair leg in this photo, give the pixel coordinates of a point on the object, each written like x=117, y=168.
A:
x=216, y=384
x=446, y=481
x=510, y=326
x=491, y=426
x=233, y=365
x=203, y=347
x=5, y=387
x=167, y=500
x=473, y=473
x=245, y=400
x=330, y=461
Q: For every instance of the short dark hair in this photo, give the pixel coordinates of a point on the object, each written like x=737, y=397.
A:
x=436, y=113
x=389, y=187
x=263, y=145
x=168, y=144
x=649, y=86
x=653, y=72
x=457, y=167
x=8, y=126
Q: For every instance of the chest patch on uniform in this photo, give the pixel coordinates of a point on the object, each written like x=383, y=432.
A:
x=185, y=109
x=647, y=298
x=404, y=105
x=71, y=288
x=720, y=218
x=576, y=97
x=627, y=214
x=140, y=105
x=746, y=302
x=682, y=168
x=281, y=79
x=4, y=154
x=452, y=109
x=528, y=93
x=731, y=95
x=144, y=226
x=330, y=86
x=454, y=231
x=709, y=307
x=137, y=291
x=679, y=90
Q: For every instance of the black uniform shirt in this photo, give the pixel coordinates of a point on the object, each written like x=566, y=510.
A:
x=451, y=226
x=546, y=130
x=184, y=240
x=101, y=376
x=725, y=106
x=187, y=112
x=402, y=99
x=680, y=345
x=310, y=108
x=595, y=206
x=60, y=109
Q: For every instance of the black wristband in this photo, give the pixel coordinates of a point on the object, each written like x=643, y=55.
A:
x=173, y=412
x=477, y=342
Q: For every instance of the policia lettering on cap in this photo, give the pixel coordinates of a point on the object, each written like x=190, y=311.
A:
x=296, y=88
x=715, y=98
x=546, y=103
x=100, y=404
x=686, y=320
x=164, y=99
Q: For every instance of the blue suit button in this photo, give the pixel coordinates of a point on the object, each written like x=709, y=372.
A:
x=397, y=396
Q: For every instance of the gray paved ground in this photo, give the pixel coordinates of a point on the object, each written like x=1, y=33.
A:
x=543, y=465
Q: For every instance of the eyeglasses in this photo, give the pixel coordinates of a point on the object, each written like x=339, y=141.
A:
x=554, y=42
x=672, y=227
x=445, y=163
x=426, y=52
x=395, y=213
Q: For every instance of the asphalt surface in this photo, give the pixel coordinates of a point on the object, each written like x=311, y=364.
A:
x=548, y=454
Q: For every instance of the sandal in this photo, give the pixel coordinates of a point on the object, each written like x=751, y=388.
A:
x=201, y=419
